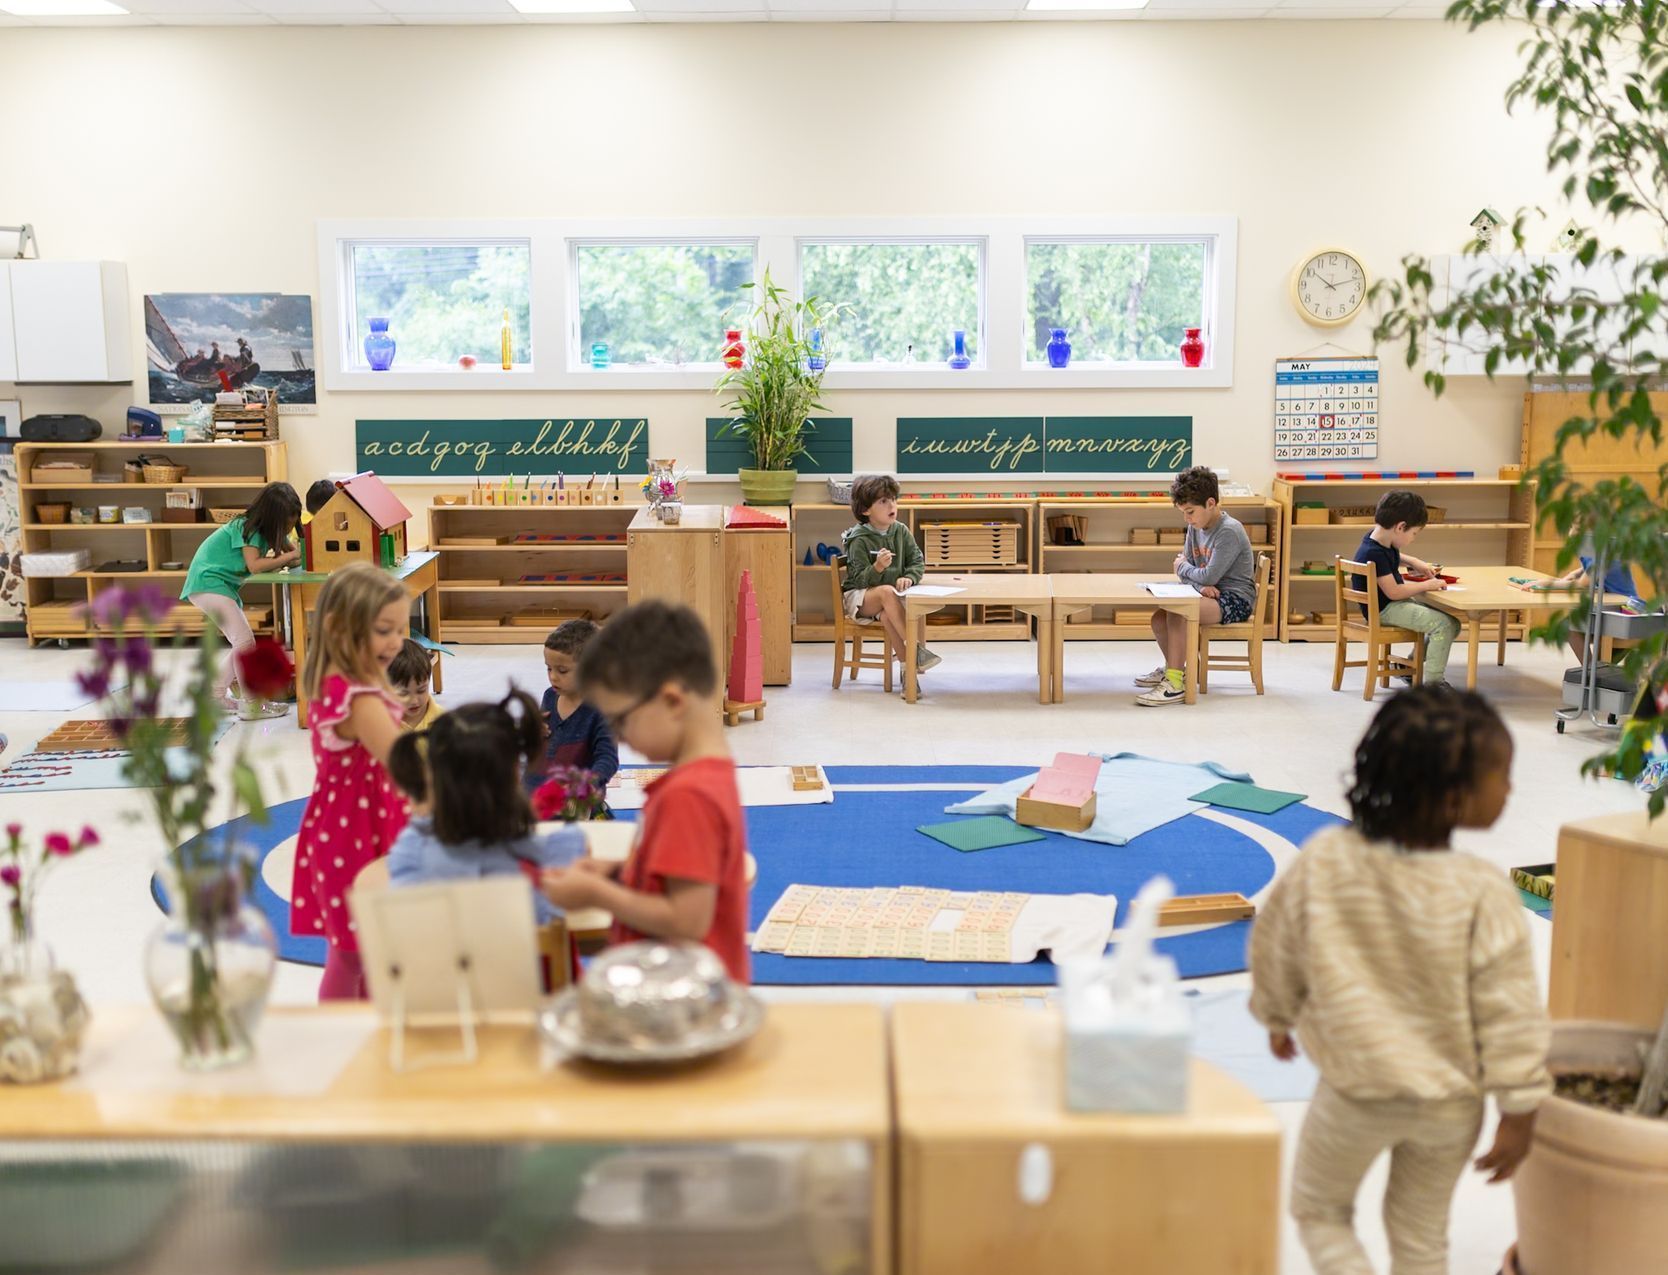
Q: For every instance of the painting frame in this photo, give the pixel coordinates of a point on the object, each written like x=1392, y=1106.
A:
x=196, y=343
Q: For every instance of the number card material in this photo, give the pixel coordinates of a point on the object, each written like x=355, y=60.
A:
x=1325, y=409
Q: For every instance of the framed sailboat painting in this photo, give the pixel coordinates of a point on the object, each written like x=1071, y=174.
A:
x=199, y=343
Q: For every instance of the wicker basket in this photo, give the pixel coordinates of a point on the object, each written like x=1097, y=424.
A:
x=54, y=511
x=224, y=515
x=163, y=471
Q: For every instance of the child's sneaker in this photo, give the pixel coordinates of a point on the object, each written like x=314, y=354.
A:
x=1148, y=680
x=1162, y=694
x=925, y=659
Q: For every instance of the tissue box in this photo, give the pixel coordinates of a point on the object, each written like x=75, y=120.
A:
x=1127, y=1067
x=63, y=562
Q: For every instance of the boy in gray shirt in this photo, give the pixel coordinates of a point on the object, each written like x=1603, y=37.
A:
x=1216, y=559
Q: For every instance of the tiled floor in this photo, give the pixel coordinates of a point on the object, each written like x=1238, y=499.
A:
x=980, y=705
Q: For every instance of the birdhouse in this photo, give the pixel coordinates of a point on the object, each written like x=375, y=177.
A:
x=1485, y=224
x=363, y=522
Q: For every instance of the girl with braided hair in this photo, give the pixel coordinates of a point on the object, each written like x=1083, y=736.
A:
x=1403, y=967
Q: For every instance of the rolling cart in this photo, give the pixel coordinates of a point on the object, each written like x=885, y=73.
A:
x=1602, y=691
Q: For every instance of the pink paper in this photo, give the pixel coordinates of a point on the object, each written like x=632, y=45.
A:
x=1069, y=781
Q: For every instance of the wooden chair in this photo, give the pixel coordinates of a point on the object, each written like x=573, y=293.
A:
x=1250, y=632
x=1381, y=662
x=847, y=630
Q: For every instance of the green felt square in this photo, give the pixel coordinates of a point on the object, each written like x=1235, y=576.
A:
x=1533, y=901
x=1261, y=801
x=983, y=833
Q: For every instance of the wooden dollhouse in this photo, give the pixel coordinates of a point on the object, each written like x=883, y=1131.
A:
x=354, y=524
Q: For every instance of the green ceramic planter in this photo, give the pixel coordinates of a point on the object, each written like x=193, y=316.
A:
x=768, y=486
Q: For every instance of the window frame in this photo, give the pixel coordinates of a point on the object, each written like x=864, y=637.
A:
x=554, y=308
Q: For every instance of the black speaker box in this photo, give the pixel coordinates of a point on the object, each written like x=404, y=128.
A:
x=60, y=429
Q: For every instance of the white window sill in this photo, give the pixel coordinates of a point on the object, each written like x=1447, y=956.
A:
x=481, y=377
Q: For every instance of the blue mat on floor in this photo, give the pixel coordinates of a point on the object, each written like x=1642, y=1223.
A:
x=869, y=839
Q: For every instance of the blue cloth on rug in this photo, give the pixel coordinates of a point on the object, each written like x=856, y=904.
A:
x=1133, y=794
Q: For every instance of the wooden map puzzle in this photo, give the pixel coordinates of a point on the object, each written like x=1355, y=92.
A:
x=899, y=923
x=96, y=734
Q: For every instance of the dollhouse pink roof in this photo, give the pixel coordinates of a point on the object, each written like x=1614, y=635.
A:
x=371, y=494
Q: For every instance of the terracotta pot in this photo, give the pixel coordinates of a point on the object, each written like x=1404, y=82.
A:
x=1592, y=1198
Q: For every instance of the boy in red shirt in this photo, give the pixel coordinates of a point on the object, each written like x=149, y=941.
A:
x=650, y=673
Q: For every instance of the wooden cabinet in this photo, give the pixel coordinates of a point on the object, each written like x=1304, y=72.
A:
x=683, y=563
x=767, y=552
x=70, y=320
x=8, y=337
x=1610, y=921
x=228, y=475
x=976, y=1087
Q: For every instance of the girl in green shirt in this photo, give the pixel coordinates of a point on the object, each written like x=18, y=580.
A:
x=257, y=540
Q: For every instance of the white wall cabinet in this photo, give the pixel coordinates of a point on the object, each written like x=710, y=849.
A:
x=70, y=321
x=8, y=345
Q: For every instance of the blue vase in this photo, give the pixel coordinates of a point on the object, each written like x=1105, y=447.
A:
x=379, y=346
x=1059, y=349
x=958, y=350
x=817, y=359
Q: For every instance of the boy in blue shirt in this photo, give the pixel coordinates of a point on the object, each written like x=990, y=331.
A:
x=1618, y=578
x=578, y=734
x=1399, y=518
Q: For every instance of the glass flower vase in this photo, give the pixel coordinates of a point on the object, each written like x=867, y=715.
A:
x=379, y=346
x=958, y=350
x=1059, y=349
x=209, y=966
x=42, y=1015
x=1192, y=348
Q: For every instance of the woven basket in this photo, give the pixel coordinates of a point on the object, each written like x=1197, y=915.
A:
x=52, y=511
x=160, y=472
x=224, y=515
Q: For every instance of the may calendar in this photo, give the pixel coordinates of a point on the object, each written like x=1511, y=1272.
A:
x=1326, y=409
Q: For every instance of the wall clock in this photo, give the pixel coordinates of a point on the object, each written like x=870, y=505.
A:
x=1329, y=287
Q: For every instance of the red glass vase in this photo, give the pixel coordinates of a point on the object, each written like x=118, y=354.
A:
x=734, y=350
x=1192, y=348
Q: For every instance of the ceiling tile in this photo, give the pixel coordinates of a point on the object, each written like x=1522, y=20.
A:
x=1341, y=13
x=1424, y=12
x=1006, y=8
x=459, y=19
x=200, y=8
x=866, y=15
x=1174, y=14
x=316, y=8
x=915, y=14
x=832, y=10
x=1160, y=8
x=213, y=19
x=752, y=15
x=697, y=8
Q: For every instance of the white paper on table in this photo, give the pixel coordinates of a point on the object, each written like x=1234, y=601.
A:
x=1453, y=588
x=1161, y=589
x=933, y=590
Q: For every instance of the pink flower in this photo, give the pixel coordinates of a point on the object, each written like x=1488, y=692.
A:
x=58, y=843
x=87, y=839
x=14, y=832
x=11, y=874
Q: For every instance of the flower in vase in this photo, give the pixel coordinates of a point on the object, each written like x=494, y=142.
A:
x=11, y=875
x=58, y=843
x=570, y=794
x=265, y=669
x=23, y=869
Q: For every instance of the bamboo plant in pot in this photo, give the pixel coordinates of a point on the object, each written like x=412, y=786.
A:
x=770, y=398
x=1592, y=1197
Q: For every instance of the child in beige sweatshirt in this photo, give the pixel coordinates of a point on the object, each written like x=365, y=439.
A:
x=1404, y=970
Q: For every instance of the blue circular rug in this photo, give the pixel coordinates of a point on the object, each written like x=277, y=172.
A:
x=869, y=839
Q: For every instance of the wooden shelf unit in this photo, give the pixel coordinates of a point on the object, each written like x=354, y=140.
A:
x=822, y=522
x=463, y=568
x=1487, y=522
x=1107, y=548
x=56, y=606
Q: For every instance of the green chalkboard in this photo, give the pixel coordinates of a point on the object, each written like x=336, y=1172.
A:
x=1118, y=444
x=828, y=447
x=470, y=447
x=993, y=445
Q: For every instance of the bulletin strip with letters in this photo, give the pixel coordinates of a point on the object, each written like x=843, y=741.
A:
x=471, y=448
x=1325, y=409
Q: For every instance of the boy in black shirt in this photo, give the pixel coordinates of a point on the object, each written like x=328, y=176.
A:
x=1399, y=518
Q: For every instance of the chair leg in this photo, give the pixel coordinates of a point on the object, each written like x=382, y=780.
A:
x=839, y=659
x=1255, y=651
x=1419, y=660
x=1338, y=650
x=1204, y=664
x=1370, y=686
x=856, y=665
x=886, y=675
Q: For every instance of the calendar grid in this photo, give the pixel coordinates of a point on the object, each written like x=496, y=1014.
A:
x=1325, y=409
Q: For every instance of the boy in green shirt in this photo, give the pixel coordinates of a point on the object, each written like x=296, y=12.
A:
x=882, y=561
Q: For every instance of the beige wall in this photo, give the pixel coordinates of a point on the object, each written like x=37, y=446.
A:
x=203, y=157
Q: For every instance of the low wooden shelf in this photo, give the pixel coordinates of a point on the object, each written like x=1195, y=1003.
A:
x=482, y=614
x=56, y=606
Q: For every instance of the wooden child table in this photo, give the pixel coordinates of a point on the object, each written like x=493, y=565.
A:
x=1080, y=591
x=1028, y=594
x=418, y=571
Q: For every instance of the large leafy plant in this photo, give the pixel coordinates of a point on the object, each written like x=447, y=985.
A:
x=1601, y=72
x=772, y=395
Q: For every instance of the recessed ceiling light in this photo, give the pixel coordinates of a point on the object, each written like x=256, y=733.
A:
x=574, y=6
x=1084, y=6
x=62, y=9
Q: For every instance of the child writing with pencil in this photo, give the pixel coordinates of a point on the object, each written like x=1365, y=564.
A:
x=651, y=675
x=1404, y=968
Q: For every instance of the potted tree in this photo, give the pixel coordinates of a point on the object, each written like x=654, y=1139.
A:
x=772, y=394
x=1592, y=1198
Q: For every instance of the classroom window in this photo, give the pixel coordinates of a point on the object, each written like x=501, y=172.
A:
x=442, y=300
x=659, y=304
x=907, y=298
x=1121, y=300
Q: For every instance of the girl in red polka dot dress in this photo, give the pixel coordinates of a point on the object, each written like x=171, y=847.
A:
x=355, y=811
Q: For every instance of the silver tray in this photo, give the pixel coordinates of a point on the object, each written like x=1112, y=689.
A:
x=559, y=1023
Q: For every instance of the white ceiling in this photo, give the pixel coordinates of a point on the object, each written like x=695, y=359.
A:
x=484, y=12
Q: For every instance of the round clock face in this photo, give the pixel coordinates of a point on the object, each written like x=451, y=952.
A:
x=1329, y=287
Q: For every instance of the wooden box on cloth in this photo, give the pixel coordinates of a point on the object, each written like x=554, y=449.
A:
x=979, y=1093
x=1049, y=814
